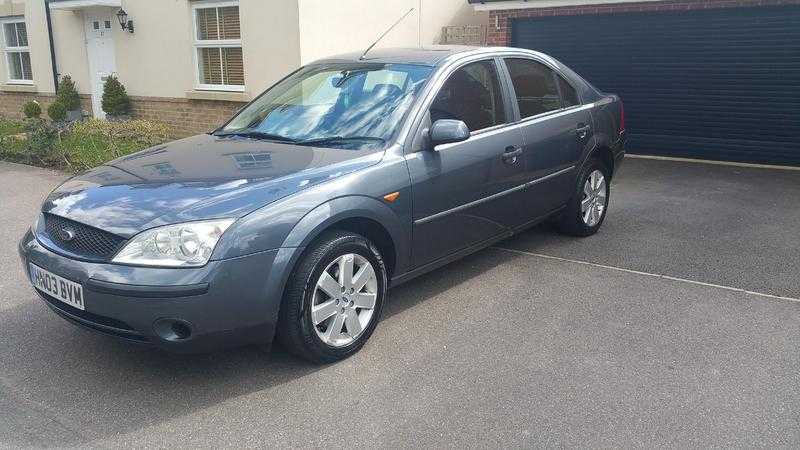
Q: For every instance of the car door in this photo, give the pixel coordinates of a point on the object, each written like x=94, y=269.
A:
x=463, y=193
x=555, y=127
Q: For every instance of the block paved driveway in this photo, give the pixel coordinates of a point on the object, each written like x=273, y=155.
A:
x=642, y=335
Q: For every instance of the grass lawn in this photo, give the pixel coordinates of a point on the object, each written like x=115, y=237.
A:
x=12, y=145
x=78, y=147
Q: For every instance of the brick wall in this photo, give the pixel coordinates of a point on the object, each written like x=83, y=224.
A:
x=184, y=117
x=501, y=33
x=11, y=103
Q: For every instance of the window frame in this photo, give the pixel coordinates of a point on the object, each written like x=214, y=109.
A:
x=197, y=44
x=7, y=50
x=555, y=74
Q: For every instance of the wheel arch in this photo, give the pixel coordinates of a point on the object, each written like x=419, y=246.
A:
x=375, y=233
x=604, y=154
x=358, y=214
x=602, y=151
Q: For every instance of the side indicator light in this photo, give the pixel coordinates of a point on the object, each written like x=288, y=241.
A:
x=391, y=197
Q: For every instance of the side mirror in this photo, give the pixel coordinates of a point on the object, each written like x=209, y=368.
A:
x=446, y=131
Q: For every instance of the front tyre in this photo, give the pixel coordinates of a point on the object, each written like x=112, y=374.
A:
x=587, y=208
x=333, y=299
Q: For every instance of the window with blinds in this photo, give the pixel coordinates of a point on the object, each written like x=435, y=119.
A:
x=218, y=45
x=17, y=52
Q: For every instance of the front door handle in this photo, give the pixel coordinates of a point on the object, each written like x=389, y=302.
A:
x=511, y=154
x=582, y=131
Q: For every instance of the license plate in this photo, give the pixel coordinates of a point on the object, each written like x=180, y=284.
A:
x=57, y=287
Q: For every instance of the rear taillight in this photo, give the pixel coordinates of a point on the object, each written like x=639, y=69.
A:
x=621, y=117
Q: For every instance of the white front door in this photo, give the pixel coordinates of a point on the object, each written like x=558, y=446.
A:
x=100, y=50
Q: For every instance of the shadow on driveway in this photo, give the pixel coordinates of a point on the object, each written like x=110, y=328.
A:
x=65, y=386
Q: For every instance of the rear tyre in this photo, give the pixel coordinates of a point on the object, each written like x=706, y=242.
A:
x=587, y=208
x=333, y=299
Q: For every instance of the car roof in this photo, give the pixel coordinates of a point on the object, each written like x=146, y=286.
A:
x=435, y=55
x=429, y=55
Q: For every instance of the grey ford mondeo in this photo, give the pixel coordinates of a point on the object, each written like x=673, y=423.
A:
x=350, y=175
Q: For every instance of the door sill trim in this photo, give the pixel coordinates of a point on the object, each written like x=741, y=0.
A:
x=435, y=264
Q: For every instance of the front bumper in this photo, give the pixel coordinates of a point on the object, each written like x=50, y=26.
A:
x=224, y=304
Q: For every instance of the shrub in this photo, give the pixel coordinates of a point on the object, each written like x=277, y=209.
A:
x=57, y=112
x=32, y=109
x=115, y=100
x=68, y=94
x=41, y=142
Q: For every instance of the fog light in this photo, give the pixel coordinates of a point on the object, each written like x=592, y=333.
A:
x=173, y=330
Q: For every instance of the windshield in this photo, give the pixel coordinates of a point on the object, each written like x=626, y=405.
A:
x=344, y=105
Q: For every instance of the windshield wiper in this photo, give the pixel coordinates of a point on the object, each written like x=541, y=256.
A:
x=340, y=139
x=258, y=135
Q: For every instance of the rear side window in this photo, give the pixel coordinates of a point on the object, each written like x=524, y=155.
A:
x=472, y=94
x=535, y=86
x=568, y=95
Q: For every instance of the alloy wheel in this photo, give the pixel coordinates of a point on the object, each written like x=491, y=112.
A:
x=344, y=300
x=593, y=204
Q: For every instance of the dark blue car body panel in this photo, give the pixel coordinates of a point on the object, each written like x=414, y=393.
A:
x=452, y=200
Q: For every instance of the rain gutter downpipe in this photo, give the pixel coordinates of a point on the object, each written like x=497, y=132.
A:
x=52, y=46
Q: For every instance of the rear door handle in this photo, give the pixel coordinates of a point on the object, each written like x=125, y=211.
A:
x=512, y=153
x=582, y=131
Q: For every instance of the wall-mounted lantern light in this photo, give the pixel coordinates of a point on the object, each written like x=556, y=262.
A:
x=127, y=25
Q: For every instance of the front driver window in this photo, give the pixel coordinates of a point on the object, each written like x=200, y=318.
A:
x=471, y=94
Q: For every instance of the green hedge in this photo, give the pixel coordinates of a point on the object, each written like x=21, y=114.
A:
x=79, y=146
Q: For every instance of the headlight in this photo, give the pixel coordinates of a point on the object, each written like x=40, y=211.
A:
x=35, y=224
x=182, y=245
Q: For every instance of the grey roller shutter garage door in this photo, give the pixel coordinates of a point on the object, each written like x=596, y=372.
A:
x=715, y=84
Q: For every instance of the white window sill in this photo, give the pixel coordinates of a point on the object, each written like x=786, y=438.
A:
x=219, y=87
x=14, y=86
x=225, y=96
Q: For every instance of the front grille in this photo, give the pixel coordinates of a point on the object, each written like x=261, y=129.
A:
x=86, y=241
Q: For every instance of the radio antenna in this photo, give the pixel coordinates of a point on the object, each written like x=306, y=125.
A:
x=363, y=55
